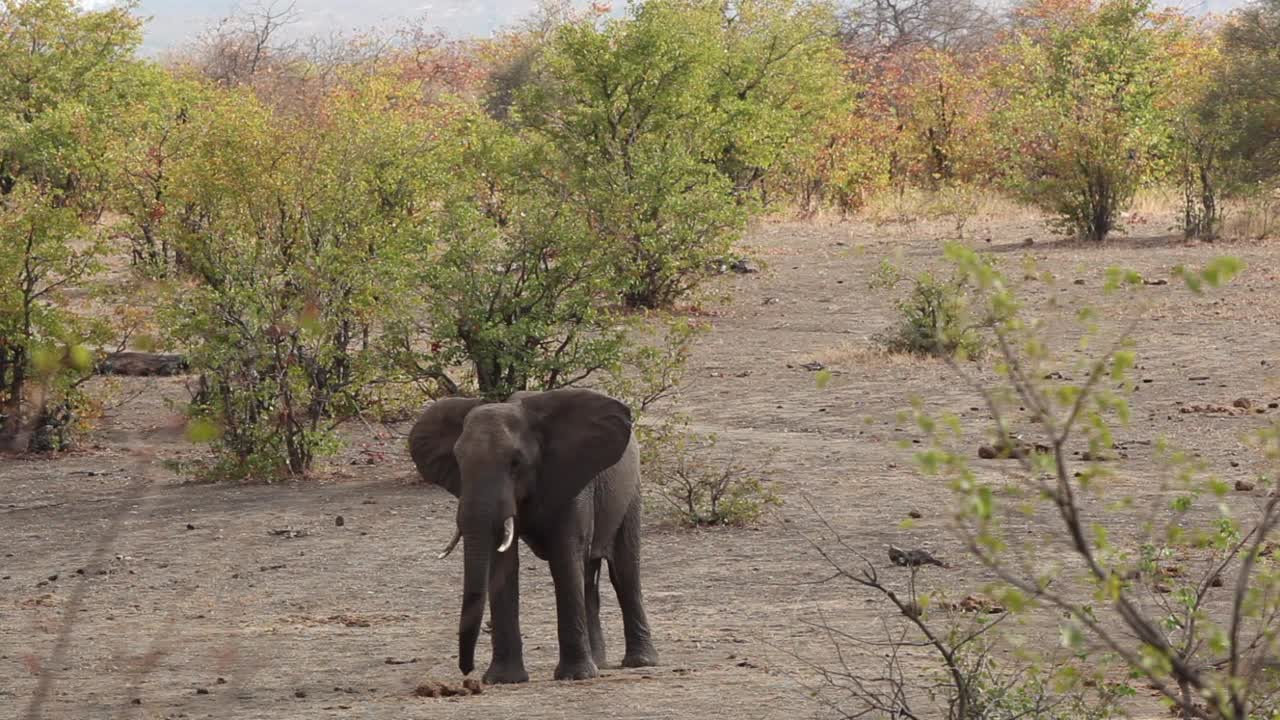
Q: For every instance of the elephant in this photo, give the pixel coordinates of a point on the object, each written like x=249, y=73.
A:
x=559, y=469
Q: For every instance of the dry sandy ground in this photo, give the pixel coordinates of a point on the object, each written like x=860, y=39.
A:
x=185, y=605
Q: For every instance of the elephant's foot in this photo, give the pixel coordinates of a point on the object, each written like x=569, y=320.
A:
x=643, y=656
x=505, y=673
x=580, y=670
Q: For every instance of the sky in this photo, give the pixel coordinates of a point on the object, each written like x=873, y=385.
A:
x=175, y=22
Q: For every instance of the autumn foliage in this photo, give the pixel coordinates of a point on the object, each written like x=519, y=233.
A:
x=321, y=223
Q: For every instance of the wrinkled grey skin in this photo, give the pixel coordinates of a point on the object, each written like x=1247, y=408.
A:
x=565, y=466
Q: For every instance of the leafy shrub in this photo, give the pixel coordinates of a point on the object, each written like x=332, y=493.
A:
x=661, y=124
x=934, y=318
x=697, y=491
x=68, y=76
x=1080, y=126
x=294, y=243
x=1247, y=85
x=1126, y=605
x=1142, y=612
x=690, y=487
x=514, y=288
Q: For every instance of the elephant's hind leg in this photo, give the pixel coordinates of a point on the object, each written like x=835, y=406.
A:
x=594, y=631
x=624, y=574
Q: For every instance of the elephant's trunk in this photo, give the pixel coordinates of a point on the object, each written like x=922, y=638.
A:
x=477, y=548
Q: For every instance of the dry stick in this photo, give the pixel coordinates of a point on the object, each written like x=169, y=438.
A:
x=1269, y=520
x=912, y=612
x=874, y=700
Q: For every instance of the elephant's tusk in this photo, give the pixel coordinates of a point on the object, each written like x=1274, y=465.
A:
x=508, y=533
x=457, y=535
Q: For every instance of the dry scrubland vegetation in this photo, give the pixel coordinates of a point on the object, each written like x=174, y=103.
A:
x=951, y=337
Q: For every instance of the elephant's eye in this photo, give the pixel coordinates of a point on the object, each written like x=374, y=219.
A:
x=515, y=462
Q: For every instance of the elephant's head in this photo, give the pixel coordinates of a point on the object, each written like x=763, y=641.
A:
x=510, y=464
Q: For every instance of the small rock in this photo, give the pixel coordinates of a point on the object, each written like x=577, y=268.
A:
x=136, y=701
x=339, y=521
x=1162, y=588
x=473, y=685
x=771, y=301
x=1235, y=463
x=1028, y=241
x=299, y=693
x=1156, y=281
x=202, y=691
x=190, y=526
x=1079, y=281
x=1243, y=403
x=1198, y=378
x=220, y=681
x=1216, y=580
x=915, y=514
x=812, y=366
x=1244, y=485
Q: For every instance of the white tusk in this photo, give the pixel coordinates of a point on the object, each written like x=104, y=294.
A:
x=457, y=535
x=508, y=533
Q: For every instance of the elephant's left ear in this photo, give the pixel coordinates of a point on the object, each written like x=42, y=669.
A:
x=583, y=432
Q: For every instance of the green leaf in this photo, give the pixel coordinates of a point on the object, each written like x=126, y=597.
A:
x=1121, y=362
x=822, y=378
x=200, y=430
x=81, y=358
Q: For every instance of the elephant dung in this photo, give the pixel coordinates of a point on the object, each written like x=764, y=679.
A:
x=434, y=689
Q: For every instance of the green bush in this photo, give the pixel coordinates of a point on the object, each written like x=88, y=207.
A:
x=67, y=77
x=1080, y=124
x=513, y=287
x=1247, y=83
x=294, y=234
x=934, y=318
x=660, y=124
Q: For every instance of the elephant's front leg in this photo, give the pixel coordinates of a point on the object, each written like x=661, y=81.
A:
x=576, y=662
x=504, y=609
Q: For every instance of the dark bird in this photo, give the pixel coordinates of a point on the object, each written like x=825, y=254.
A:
x=912, y=558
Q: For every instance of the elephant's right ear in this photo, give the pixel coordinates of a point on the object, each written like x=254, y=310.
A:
x=431, y=441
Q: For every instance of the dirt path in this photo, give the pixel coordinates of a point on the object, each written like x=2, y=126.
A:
x=195, y=609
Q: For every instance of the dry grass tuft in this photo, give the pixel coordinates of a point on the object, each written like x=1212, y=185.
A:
x=853, y=356
x=1255, y=218
x=945, y=206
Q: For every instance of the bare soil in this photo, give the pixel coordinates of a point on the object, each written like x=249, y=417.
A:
x=126, y=590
